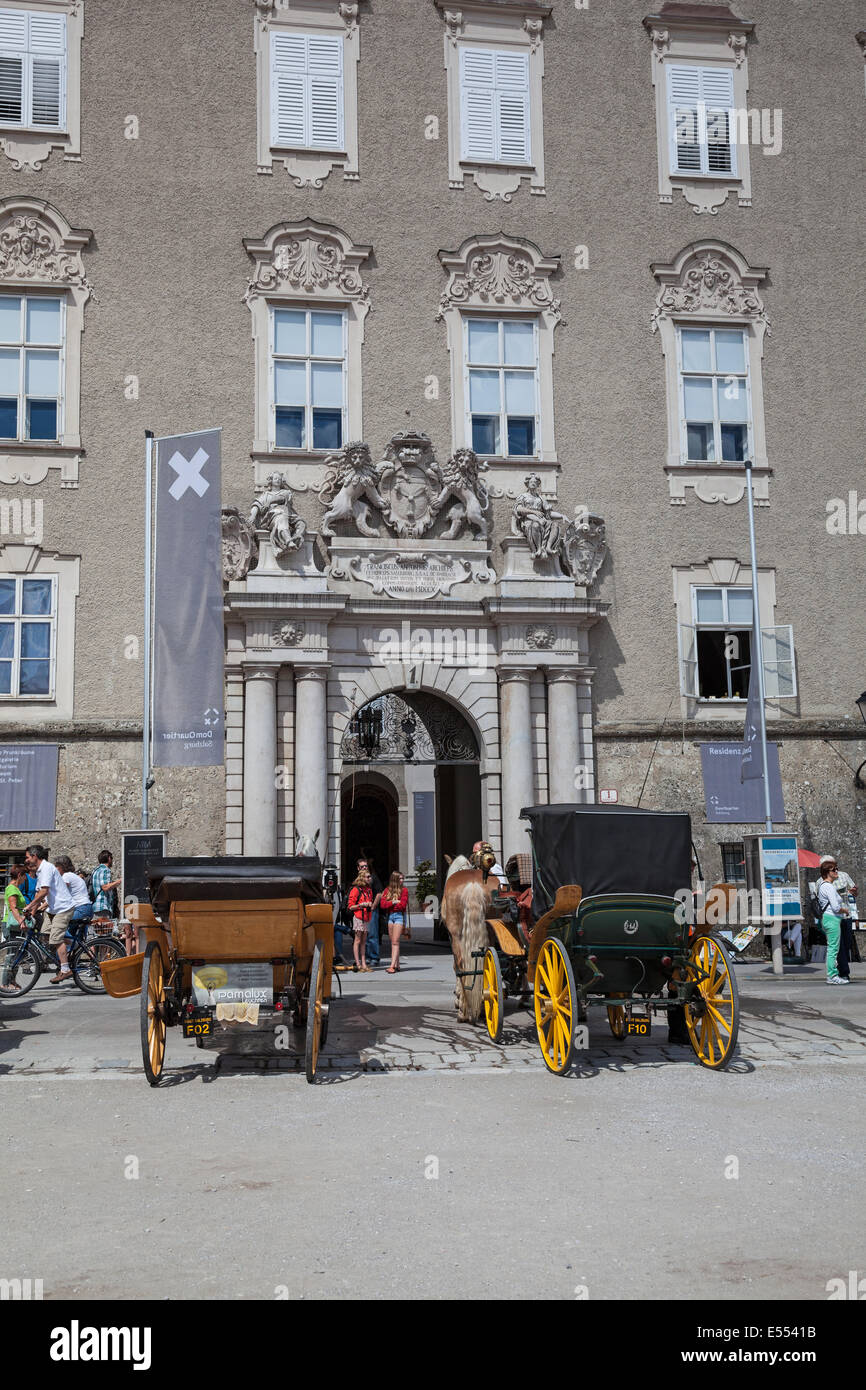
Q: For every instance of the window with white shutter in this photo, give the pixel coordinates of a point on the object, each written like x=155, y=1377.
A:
x=700, y=115
x=32, y=69
x=494, y=106
x=307, y=99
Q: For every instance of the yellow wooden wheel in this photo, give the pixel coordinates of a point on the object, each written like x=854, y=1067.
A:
x=555, y=1005
x=616, y=1019
x=493, y=995
x=153, y=1013
x=713, y=1018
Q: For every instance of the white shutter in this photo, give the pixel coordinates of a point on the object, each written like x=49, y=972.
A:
x=688, y=661
x=11, y=89
x=780, y=673
x=717, y=87
x=13, y=30
x=512, y=90
x=326, y=93
x=684, y=96
x=48, y=33
x=478, y=104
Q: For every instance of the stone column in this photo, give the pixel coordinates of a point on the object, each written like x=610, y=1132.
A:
x=566, y=779
x=311, y=752
x=260, y=759
x=518, y=779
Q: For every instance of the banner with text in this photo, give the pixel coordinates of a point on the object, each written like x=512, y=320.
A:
x=732, y=801
x=28, y=786
x=188, y=601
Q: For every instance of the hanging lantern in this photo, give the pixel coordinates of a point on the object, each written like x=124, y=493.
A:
x=368, y=729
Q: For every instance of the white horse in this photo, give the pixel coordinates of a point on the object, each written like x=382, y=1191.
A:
x=304, y=846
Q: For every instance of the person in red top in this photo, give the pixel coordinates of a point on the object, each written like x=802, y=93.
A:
x=395, y=904
x=361, y=910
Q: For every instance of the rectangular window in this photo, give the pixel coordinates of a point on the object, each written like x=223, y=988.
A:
x=701, y=124
x=31, y=351
x=733, y=862
x=494, y=107
x=501, y=358
x=307, y=98
x=308, y=376
x=715, y=402
x=723, y=626
x=28, y=617
x=32, y=69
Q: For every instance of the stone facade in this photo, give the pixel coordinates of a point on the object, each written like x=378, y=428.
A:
x=192, y=237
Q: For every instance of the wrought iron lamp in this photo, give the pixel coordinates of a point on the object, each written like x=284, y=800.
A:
x=368, y=729
x=858, y=780
x=408, y=725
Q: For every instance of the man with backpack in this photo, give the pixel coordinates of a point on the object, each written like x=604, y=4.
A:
x=102, y=889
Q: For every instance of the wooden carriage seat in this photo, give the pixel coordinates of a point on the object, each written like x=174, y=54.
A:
x=507, y=937
x=567, y=900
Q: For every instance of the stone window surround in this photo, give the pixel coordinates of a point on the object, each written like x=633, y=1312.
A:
x=40, y=252
x=710, y=285
x=695, y=39
x=33, y=561
x=498, y=24
x=717, y=573
x=28, y=149
x=304, y=264
x=503, y=276
x=308, y=168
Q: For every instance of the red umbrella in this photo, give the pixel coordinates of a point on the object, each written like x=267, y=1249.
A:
x=807, y=859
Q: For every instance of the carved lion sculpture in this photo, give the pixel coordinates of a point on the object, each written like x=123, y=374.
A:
x=462, y=480
x=350, y=488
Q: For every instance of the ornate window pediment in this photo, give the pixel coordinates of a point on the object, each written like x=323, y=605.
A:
x=307, y=55
x=39, y=253
x=499, y=272
x=315, y=268
x=701, y=78
x=56, y=44
x=712, y=322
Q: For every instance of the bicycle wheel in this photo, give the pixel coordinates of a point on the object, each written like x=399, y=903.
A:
x=20, y=967
x=87, y=959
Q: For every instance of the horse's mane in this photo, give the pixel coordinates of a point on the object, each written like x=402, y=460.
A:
x=457, y=863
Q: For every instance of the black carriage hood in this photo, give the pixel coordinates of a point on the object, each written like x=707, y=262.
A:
x=232, y=877
x=608, y=849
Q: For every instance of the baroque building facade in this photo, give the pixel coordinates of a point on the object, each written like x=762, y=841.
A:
x=492, y=302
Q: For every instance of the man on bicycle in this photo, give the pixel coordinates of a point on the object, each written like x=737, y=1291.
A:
x=53, y=893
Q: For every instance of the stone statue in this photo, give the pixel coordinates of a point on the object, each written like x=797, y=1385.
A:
x=349, y=480
x=584, y=546
x=409, y=479
x=240, y=549
x=461, y=480
x=274, y=511
x=535, y=518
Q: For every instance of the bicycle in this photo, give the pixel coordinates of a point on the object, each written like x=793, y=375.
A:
x=23, y=959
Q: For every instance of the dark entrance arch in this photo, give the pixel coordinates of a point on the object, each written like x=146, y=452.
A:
x=369, y=829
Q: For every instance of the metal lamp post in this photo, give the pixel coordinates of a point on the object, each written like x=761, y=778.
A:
x=858, y=780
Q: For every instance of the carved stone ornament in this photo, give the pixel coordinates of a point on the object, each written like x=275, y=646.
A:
x=540, y=636
x=39, y=246
x=584, y=546
x=240, y=549
x=411, y=575
x=409, y=478
x=454, y=25
x=306, y=258
x=288, y=634
x=350, y=489
x=661, y=41
x=737, y=43
x=499, y=272
x=709, y=279
x=274, y=511
x=535, y=518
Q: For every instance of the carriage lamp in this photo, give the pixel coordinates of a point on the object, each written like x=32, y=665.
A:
x=858, y=780
x=409, y=725
x=368, y=729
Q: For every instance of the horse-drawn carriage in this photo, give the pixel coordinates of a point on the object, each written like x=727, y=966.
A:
x=612, y=925
x=244, y=943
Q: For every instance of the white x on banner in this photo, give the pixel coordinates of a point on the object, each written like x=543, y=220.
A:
x=188, y=474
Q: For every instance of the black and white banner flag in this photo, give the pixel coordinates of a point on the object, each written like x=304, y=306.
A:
x=188, y=603
x=752, y=765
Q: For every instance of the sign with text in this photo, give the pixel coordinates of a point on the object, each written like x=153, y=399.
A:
x=28, y=786
x=188, y=643
x=732, y=801
x=240, y=982
x=138, y=848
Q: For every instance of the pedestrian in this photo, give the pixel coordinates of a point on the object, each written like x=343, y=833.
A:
x=14, y=902
x=847, y=890
x=373, y=931
x=102, y=886
x=334, y=895
x=832, y=912
x=360, y=909
x=395, y=904
x=83, y=913
x=52, y=894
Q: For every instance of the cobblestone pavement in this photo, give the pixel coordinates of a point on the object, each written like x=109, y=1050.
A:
x=407, y=1023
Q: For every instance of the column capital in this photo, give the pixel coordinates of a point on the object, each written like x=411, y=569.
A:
x=556, y=674
x=522, y=674
x=260, y=672
x=311, y=673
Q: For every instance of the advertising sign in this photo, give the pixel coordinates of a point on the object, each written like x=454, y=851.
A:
x=242, y=982
x=730, y=800
x=780, y=873
x=138, y=848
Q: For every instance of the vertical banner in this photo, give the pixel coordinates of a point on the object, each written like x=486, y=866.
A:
x=752, y=766
x=28, y=786
x=188, y=604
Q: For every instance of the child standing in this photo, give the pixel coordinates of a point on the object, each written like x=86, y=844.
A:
x=395, y=902
x=361, y=910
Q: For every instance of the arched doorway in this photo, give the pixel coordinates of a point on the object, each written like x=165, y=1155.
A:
x=369, y=827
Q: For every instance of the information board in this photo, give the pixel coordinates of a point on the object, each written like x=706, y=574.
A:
x=28, y=786
x=139, y=847
x=730, y=801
